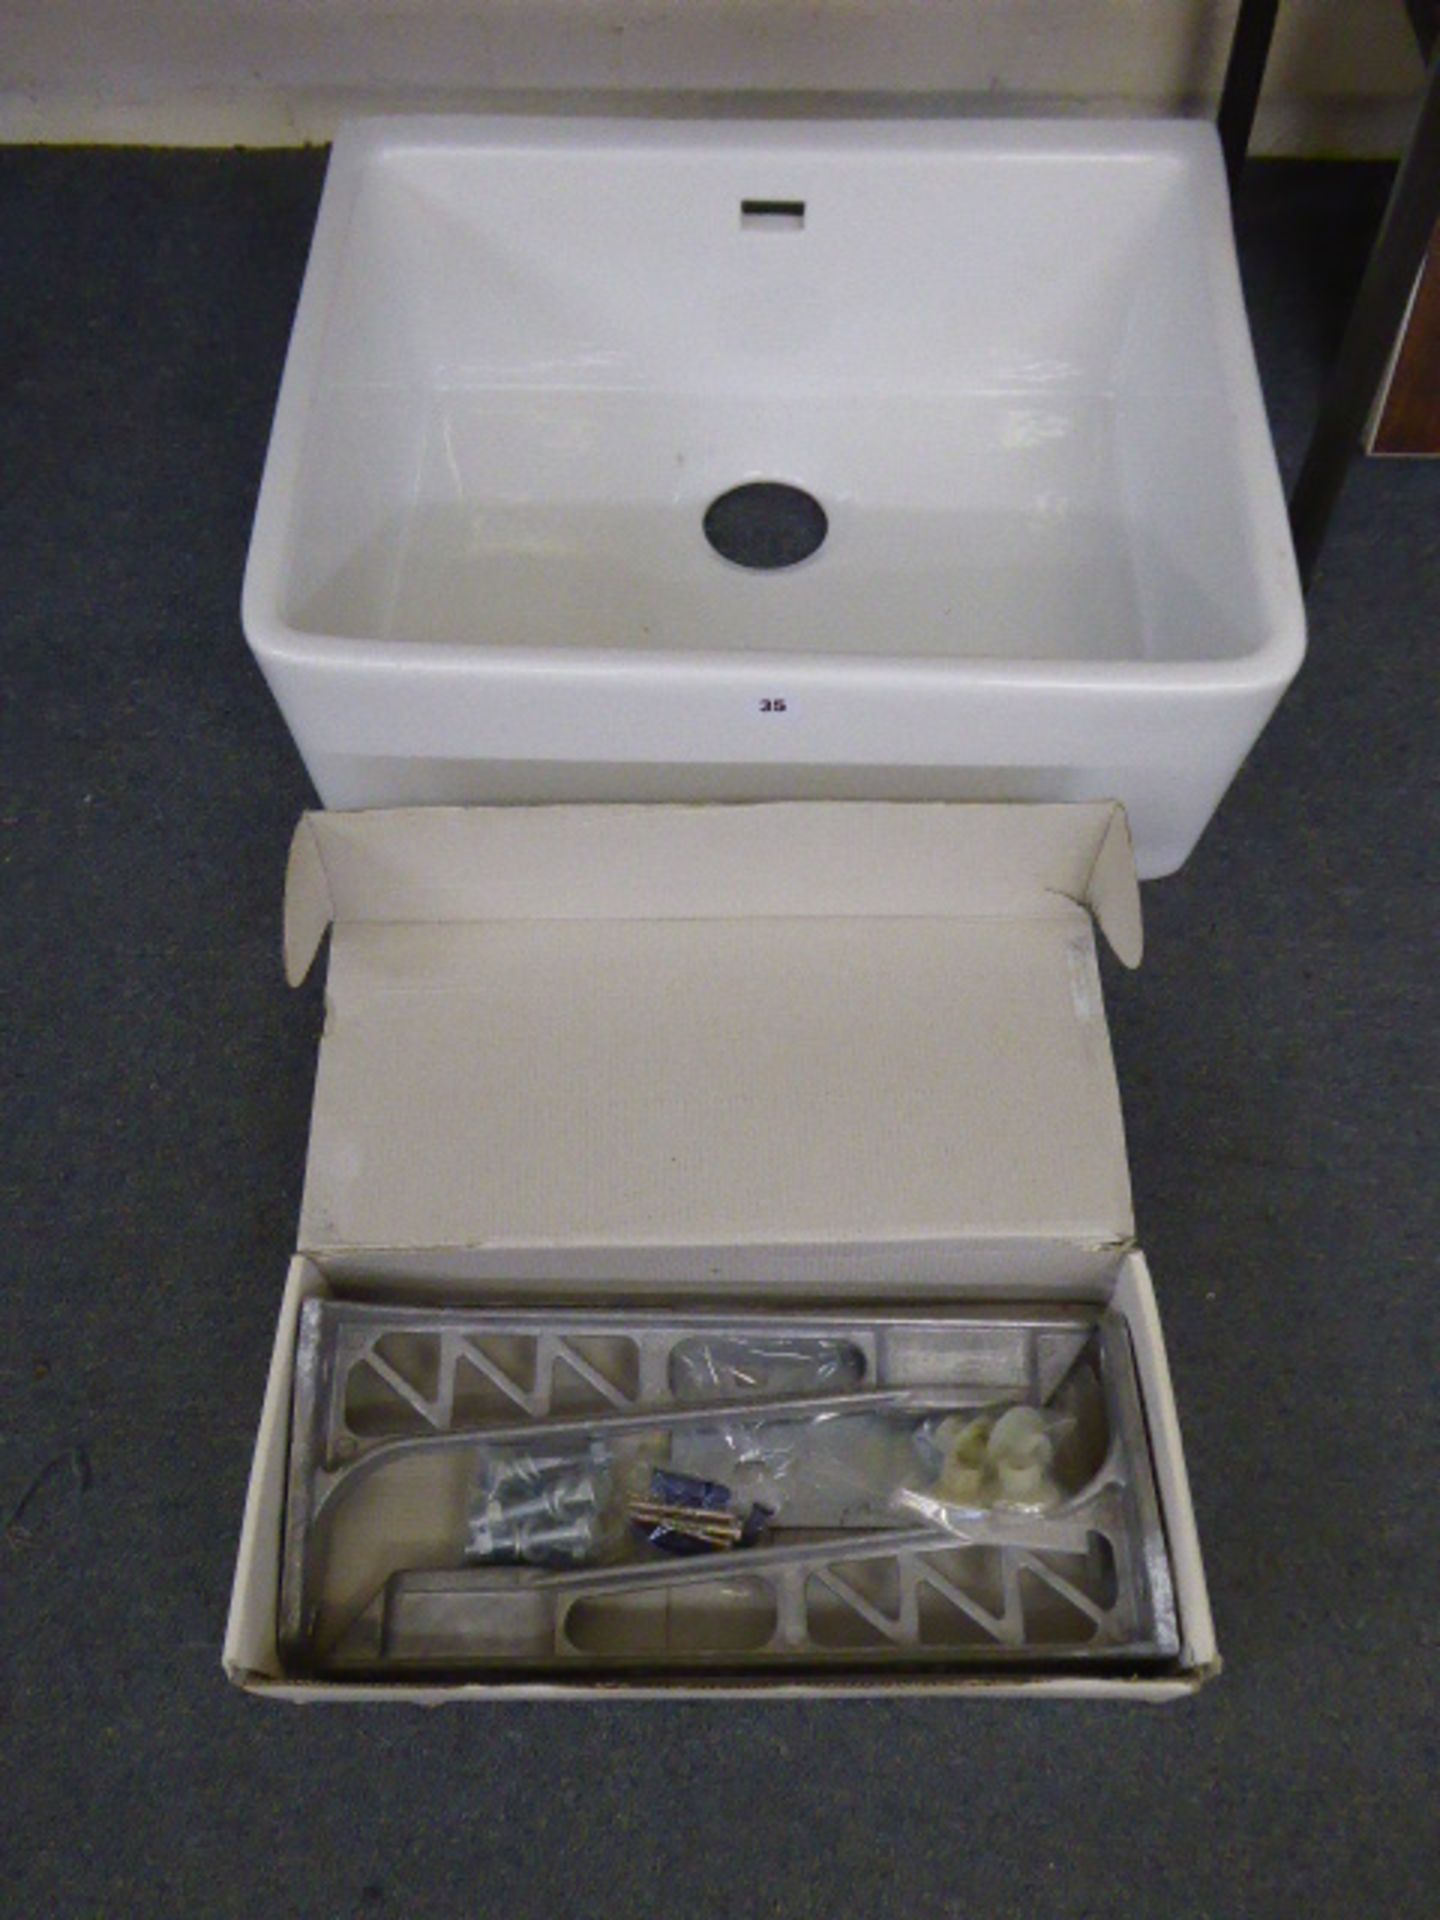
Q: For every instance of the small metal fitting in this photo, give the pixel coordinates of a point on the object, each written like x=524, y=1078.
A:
x=562, y=1501
x=528, y=1473
x=532, y=1540
x=536, y=1540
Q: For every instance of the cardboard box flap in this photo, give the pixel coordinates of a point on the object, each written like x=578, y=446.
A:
x=790, y=859
x=632, y=1026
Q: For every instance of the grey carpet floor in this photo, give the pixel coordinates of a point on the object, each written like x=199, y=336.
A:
x=1279, y=1058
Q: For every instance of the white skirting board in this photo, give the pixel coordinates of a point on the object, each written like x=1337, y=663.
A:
x=1342, y=80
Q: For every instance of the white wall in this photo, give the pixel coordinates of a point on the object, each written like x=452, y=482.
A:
x=1343, y=77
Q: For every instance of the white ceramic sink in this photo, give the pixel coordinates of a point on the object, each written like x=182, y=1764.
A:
x=1003, y=367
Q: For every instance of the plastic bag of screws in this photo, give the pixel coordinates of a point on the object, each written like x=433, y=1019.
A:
x=539, y=1508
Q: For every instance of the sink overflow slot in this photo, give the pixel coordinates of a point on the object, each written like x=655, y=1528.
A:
x=773, y=216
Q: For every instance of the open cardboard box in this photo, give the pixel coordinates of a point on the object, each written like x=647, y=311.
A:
x=780, y=1055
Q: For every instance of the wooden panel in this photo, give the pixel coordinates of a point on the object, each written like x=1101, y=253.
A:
x=1409, y=420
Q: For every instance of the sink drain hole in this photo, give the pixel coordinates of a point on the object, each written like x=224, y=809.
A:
x=765, y=524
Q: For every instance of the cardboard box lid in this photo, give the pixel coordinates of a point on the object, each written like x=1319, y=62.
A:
x=833, y=1023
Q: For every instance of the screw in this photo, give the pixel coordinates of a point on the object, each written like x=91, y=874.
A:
x=531, y=1470
x=558, y=1502
x=532, y=1540
x=573, y=1540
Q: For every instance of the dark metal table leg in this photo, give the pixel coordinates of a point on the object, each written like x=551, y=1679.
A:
x=1371, y=331
x=1244, y=77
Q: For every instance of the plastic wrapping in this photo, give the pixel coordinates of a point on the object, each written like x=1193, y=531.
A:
x=715, y=1488
x=768, y=1462
x=716, y=1367
x=862, y=1469
x=1001, y=1459
x=720, y=1488
x=693, y=1490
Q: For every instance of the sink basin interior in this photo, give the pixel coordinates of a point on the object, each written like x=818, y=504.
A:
x=994, y=358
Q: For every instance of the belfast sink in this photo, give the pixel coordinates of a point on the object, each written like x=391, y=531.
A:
x=645, y=460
